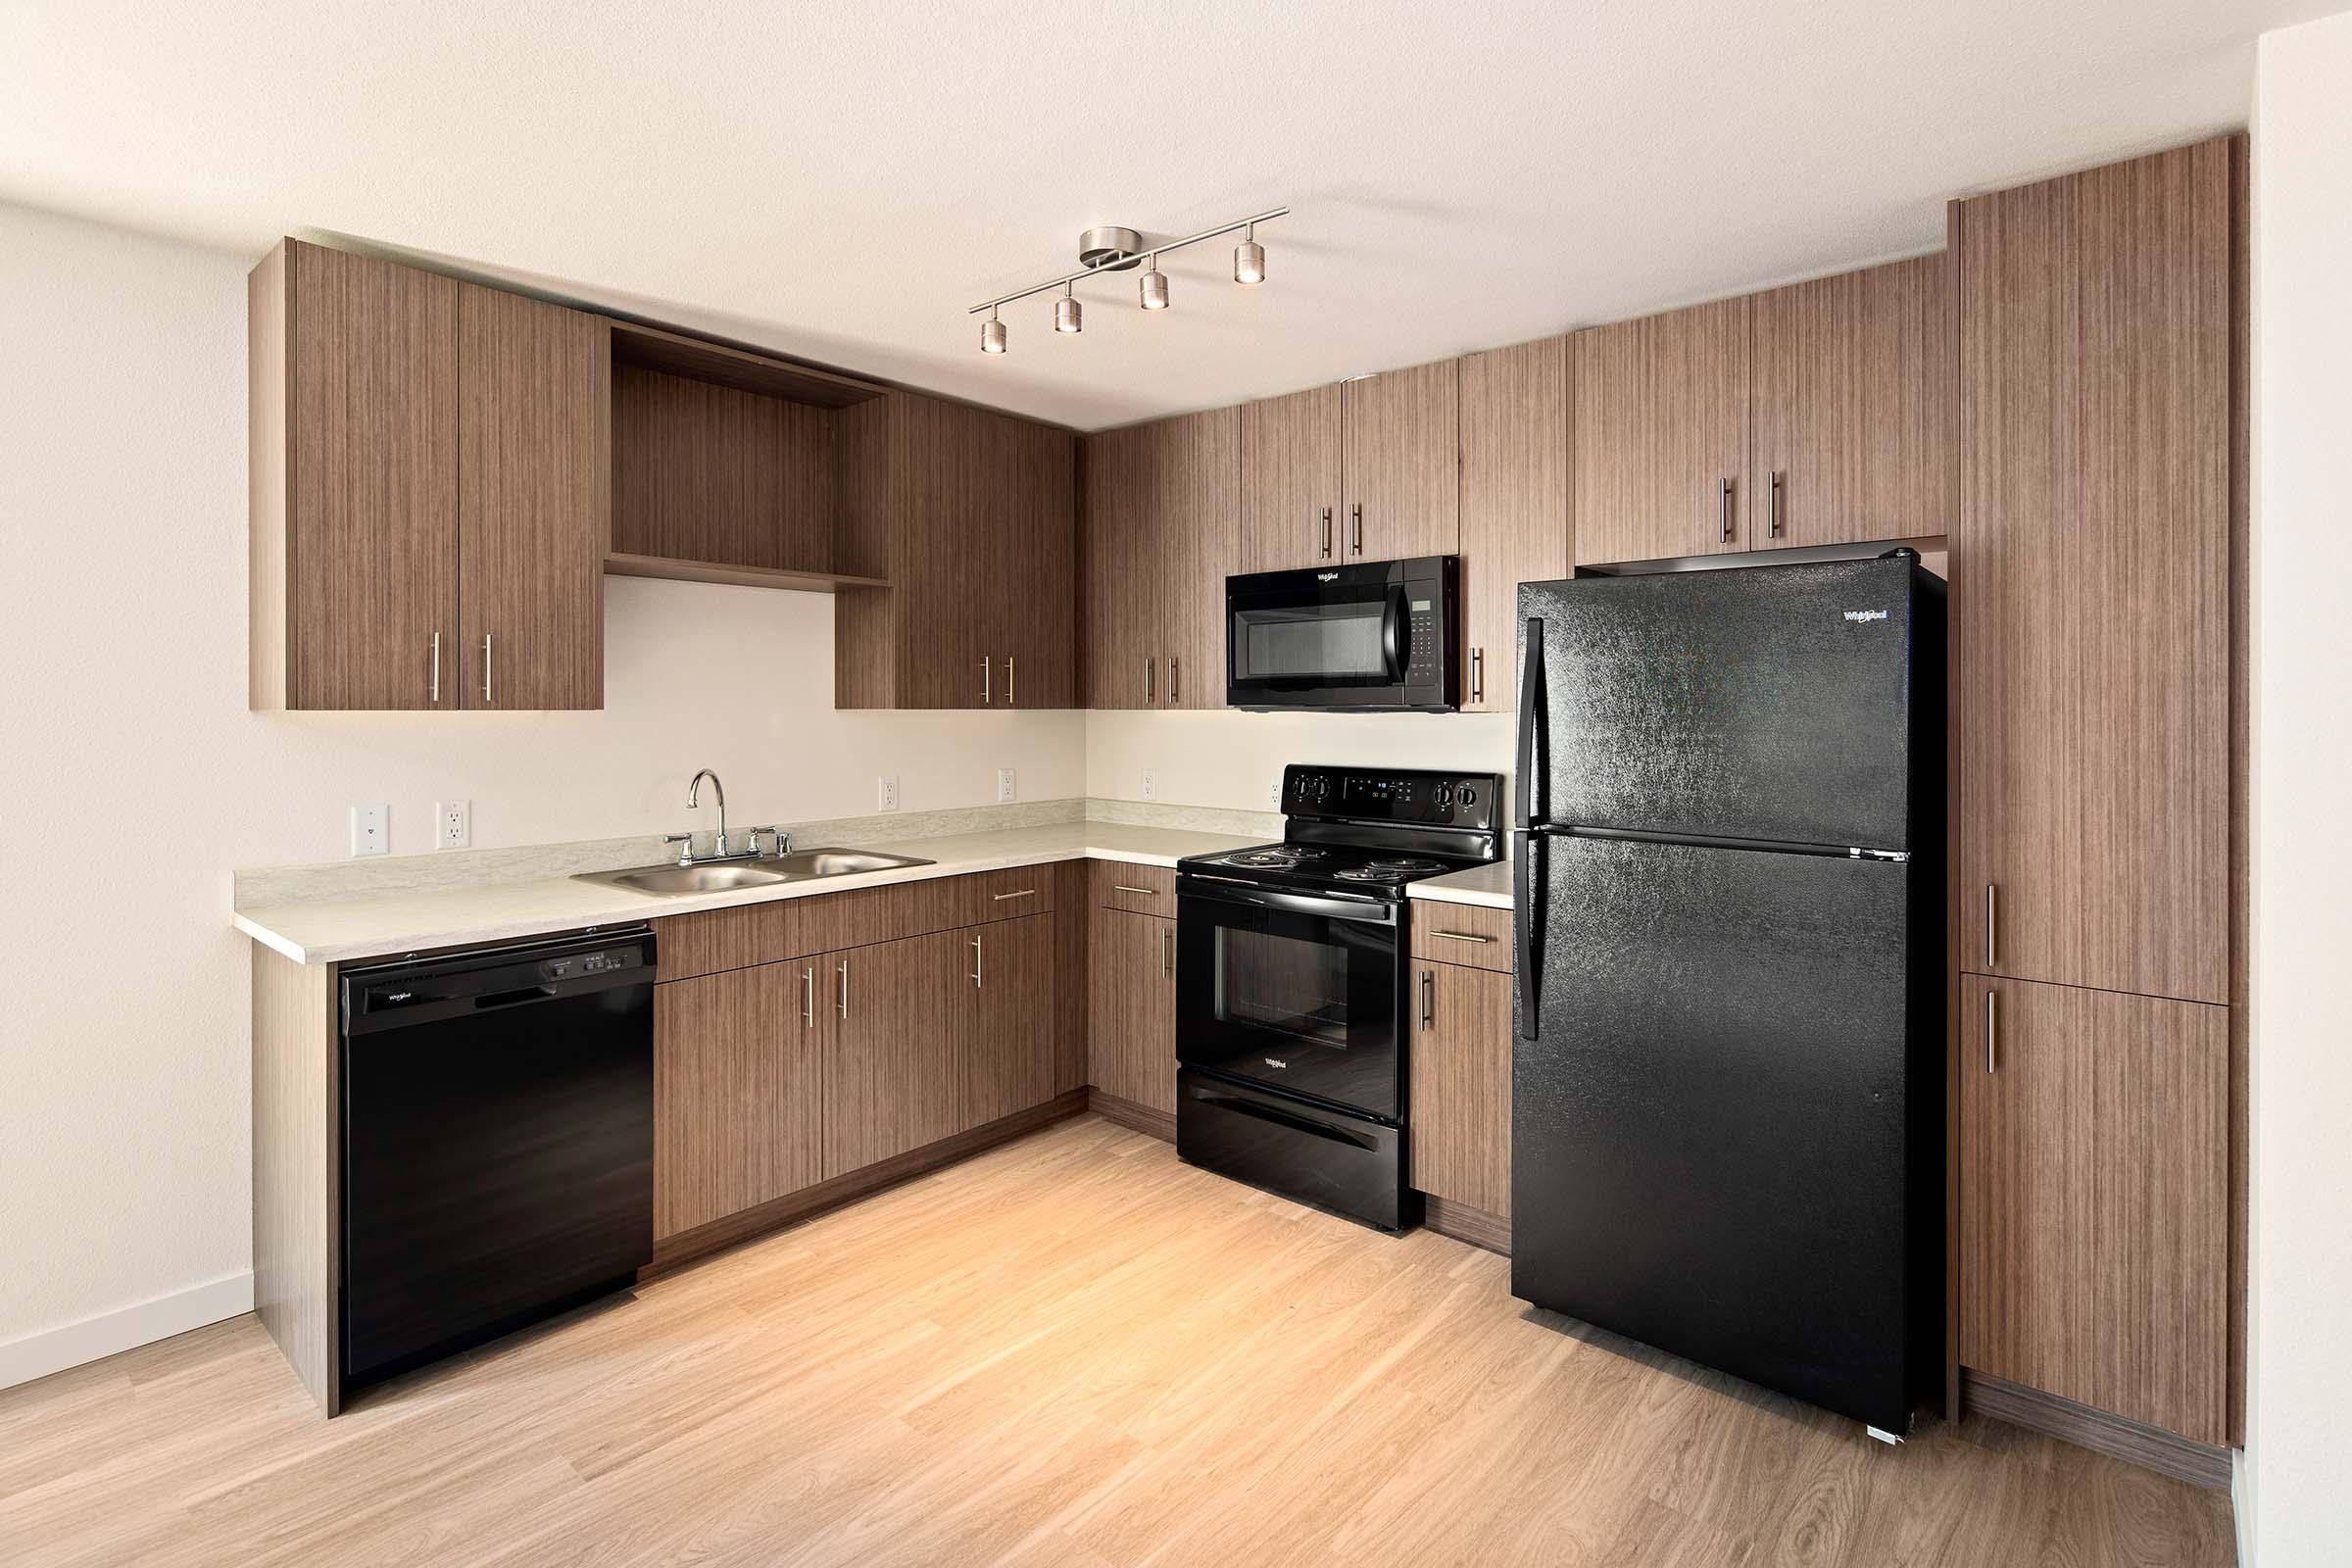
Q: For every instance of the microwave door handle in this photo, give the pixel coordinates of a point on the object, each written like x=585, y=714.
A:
x=1391, y=634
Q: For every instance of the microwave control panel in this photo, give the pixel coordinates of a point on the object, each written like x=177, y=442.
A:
x=1421, y=650
x=1393, y=795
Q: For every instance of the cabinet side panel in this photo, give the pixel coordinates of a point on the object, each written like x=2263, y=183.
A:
x=296, y=1192
x=266, y=479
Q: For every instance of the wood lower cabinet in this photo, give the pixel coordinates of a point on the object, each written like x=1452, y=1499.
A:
x=1661, y=430
x=1131, y=1005
x=1462, y=1086
x=1514, y=504
x=2092, y=563
x=1161, y=539
x=2095, y=1199
x=738, y=1101
x=1004, y=1018
x=892, y=1080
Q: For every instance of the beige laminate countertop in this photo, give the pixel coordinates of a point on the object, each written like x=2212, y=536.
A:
x=1489, y=885
x=388, y=924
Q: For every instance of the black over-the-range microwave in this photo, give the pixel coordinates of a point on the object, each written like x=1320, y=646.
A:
x=1377, y=636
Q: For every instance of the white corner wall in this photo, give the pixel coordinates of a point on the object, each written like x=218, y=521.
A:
x=133, y=779
x=2295, y=1483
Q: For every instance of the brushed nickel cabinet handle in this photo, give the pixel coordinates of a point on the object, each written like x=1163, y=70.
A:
x=1478, y=674
x=1149, y=661
x=1008, y=702
x=1724, y=534
x=841, y=1000
x=986, y=684
x=1172, y=662
x=975, y=960
x=1121, y=887
x=485, y=667
x=1326, y=533
x=1459, y=936
x=1356, y=519
x=436, y=666
x=1429, y=999
x=1993, y=1024
x=1024, y=892
x=1163, y=953
x=1992, y=927
x=1779, y=480
x=809, y=998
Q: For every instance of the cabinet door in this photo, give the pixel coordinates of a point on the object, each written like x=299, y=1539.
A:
x=369, y=528
x=1007, y=1047
x=948, y=608
x=1198, y=542
x=1853, y=386
x=2095, y=1199
x=1131, y=1000
x=891, y=1079
x=535, y=501
x=1515, y=504
x=1461, y=1066
x=1660, y=450
x=1036, y=566
x=2091, y=557
x=1293, y=449
x=1405, y=462
x=1124, y=608
x=738, y=1094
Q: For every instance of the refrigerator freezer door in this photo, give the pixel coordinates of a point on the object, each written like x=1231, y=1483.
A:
x=1708, y=1132
x=1767, y=703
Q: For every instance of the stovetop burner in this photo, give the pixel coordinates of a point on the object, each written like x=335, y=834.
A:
x=1276, y=856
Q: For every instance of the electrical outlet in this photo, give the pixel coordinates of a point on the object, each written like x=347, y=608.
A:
x=1005, y=786
x=1151, y=786
x=886, y=793
x=1274, y=795
x=370, y=829
x=453, y=824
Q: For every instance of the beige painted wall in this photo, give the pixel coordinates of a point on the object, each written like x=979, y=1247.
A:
x=2295, y=1487
x=133, y=779
x=1221, y=757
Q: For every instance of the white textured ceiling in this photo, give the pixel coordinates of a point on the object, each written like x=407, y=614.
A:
x=840, y=181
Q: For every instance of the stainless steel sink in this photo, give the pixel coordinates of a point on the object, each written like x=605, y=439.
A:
x=728, y=876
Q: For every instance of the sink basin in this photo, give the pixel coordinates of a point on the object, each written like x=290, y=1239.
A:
x=728, y=876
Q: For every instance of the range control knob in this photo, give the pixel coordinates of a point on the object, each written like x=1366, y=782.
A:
x=1468, y=796
x=1442, y=795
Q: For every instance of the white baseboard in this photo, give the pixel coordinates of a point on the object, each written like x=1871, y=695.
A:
x=37, y=1356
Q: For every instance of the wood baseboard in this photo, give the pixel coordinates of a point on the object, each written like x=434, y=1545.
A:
x=1467, y=1224
x=687, y=1246
x=2119, y=1438
x=1161, y=1125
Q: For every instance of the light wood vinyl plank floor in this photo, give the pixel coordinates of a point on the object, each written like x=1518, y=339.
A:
x=1073, y=1351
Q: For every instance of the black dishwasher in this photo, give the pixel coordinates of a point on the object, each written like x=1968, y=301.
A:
x=498, y=1142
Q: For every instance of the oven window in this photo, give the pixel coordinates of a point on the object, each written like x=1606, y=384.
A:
x=1311, y=641
x=1282, y=985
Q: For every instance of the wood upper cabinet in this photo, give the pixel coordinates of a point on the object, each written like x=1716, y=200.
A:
x=1004, y=1018
x=892, y=1077
x=2095, y=1199
x=1294, y=457
x=1161, y=509
x=1515, y=504
x=969, y=515
x=354, y=479
x=1853, y=408
x=738, y=1094
x=2091, y=560
x=1661, y=434
x=1403, y=463
x=1131, y=1005
x=534, y=499
x=430, y=467
x=1461, y=1089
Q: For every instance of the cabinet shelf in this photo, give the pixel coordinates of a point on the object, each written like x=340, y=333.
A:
x=805, y=582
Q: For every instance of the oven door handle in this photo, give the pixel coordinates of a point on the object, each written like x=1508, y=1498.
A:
x=1332, y=905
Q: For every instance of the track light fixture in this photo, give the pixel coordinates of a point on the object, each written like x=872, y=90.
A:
x=1109, y=248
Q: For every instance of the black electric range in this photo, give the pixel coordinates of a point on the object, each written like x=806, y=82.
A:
x=1292, y=969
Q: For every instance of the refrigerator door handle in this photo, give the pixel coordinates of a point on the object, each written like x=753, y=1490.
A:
x=1527, y=920
x=1533, y=715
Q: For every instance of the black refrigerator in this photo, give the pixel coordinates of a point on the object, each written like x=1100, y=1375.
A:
x=1727, y=1086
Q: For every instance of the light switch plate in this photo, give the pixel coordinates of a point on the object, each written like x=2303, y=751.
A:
x=453, y=824
x=886, y=793
x=1151, y=786
x=1005, y=786
x=370, y=829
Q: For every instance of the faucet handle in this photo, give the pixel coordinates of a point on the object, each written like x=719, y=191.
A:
x=751, y=840
x=686, y=854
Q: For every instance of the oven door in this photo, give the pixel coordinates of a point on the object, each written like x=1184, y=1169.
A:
x=1371, y=635
x=1297, y=992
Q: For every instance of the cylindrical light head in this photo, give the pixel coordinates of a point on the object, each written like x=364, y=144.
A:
x=1154, y=287
x=1250, y=258
x=992, y=334
x=1067, y=315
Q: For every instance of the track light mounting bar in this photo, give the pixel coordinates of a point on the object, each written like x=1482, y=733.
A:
x=1067, y=278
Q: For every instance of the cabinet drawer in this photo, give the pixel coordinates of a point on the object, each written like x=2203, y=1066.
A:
x=1138, y=889
x=1472, y=934
x=946, y=903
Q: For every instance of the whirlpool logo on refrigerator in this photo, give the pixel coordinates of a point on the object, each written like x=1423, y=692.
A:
x=1866, y=615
